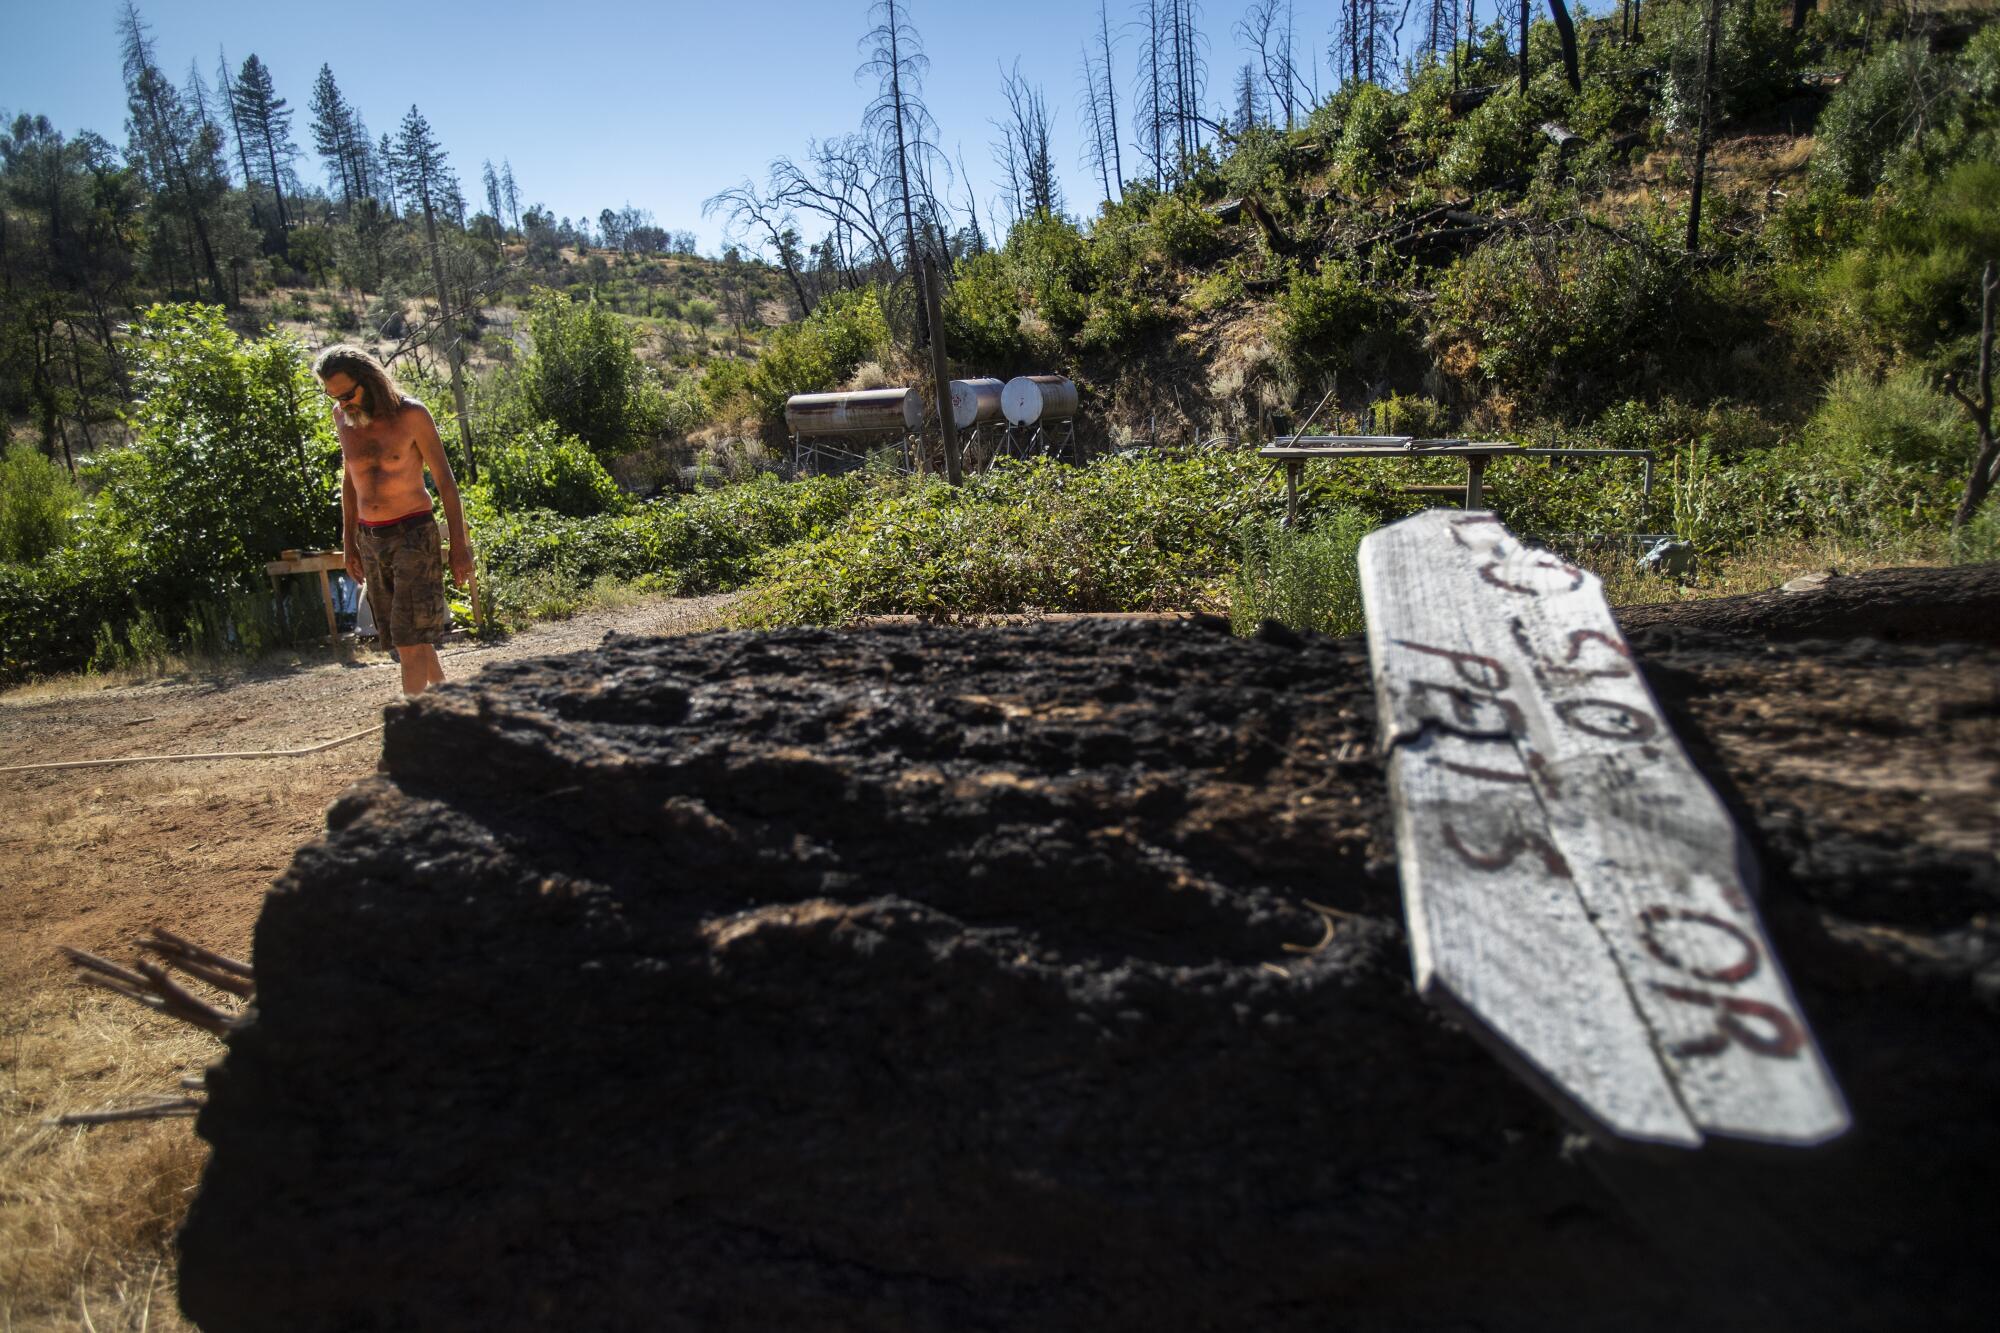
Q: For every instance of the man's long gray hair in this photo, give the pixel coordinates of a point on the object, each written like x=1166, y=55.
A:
x=380, y=395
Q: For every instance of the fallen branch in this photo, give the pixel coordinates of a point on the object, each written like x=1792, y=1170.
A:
x=161, y=1110
x=150, y=986
x=218, y=970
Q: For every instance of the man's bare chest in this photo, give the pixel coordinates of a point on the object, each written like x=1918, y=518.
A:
x=379, y=455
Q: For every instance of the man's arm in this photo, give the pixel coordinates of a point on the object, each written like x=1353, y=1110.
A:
x=432, y=449
x=350, y=522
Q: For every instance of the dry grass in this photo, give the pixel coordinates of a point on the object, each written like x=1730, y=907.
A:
x=87, y=1216
x=1762, y=568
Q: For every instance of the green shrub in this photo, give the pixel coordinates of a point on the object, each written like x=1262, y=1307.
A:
x=1186, y=235
x=1322, y=315
x=1497, y=143
x=543, y=563
x=725, y=389
x=1871, y=114
x=1053, y=264
x=982, y=315
x=233, y=458
x=1367, y=130
x=1119, y=322
x=1220, y=288
x=1124, y=534
x=1565, y=323
x=1912, y=284
x=52, y=612
x=1901, y=418
x=819, y=352
x=584, y=377
x=1756, y=60
x=545, y=469
x=1305, y=579
x=37, y=500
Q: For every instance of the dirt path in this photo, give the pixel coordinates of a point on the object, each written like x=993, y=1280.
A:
x=90, y=857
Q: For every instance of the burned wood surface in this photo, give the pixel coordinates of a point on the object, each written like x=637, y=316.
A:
x=1055, y=977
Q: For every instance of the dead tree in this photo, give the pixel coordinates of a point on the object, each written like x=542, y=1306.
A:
x=1986, y=464
x=743, y=206
x=1023, y=151
x=1109, y=89
x=1701, y=134
x=1566, y=31
x=903, y=131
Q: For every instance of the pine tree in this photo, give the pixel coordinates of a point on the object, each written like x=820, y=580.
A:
x=425, y=180
x=264, y=116
x=178, y=157
x=492, y=181
x=1249, y=109
x=369, y=169
x=385, y=159
x=512, y=194
x=226, y=86
x=333, y=136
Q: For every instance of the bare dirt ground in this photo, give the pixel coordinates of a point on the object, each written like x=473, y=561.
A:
x=92, y=857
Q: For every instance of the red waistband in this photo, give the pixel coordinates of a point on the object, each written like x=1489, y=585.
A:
x=425, y=512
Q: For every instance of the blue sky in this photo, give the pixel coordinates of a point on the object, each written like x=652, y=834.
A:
x=655, y=103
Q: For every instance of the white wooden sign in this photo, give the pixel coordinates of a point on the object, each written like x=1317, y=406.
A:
x=1575, y=889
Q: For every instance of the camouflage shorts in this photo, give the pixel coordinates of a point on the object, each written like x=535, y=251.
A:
x=404, y=566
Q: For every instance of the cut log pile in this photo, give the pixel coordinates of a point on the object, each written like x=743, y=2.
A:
x=1055, y=977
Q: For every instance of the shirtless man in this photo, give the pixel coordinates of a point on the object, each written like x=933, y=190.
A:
x=391, y=540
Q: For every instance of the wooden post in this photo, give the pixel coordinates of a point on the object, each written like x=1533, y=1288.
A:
x=1575, y=891
x=1292, y=467
x=947, y=422
x=326, y=601
x=1475, y=474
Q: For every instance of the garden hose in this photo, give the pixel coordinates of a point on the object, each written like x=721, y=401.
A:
x=184, y=758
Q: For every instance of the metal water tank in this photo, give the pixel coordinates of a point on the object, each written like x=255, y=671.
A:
x=866, y=411
x=1028, y=399
x=975, y=402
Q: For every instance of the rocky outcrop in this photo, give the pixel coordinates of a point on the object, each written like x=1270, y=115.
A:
x=1049, y=977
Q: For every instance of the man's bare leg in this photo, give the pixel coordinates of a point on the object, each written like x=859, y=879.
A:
x=421, y=668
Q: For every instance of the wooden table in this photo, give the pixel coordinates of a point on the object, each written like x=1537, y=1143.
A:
x=1295, y=452
x=311, y=562
x=321, y=562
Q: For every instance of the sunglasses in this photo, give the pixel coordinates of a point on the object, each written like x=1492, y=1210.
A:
x=347, y=399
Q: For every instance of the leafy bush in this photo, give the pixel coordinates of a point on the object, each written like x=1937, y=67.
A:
x=1050, y=258
x=584, y=378
x=1220, y=288
x=51, y=612
x=1561, y=323
x=1497, y=143
x=1912, y=284
x=1119, y=322
x=1362, y=156
x=1186, y=235
x=1871, y=114
x=1320, y=316
x=1756, y=60
x=982, y=315
x=1900, y=418
x=1123, y=534
x=1304, y=579
x=545, y=469
x=543, y=563
x=819, y=352
x=37, y=499
x=233, y=458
